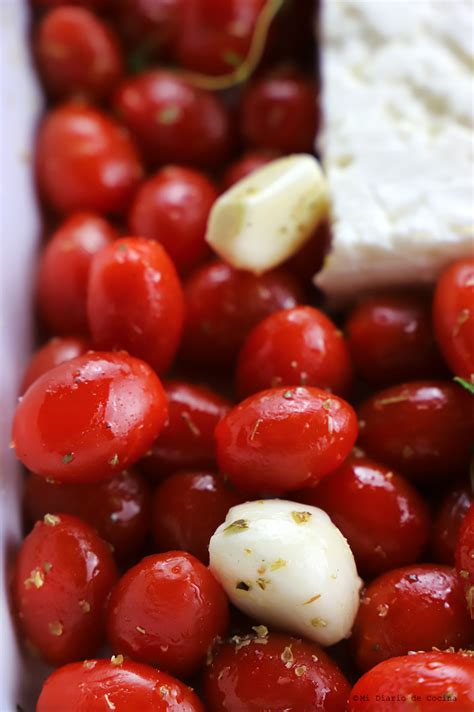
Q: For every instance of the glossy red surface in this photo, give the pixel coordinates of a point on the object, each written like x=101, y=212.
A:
x=464, y=556
x=64, y=573
x=88, y=418
x=135, y=301
x=447, y=522
x=167, y=610
x=124, y=686
x=245, y=165
x=283, y=439
x=51, y=354
x=85, y=161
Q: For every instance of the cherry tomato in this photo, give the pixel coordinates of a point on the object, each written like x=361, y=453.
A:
x=224, y=304
x=85, y=161
x=413, y=608
x=187, y=440
x=447, y=522
x=453, y=316
x=273, y=672
x=77, y=53
x=118, y=508
x=63, y=576
x=135, y=301
x=280, y=112
x=149, y=27
x=423, y=429
x=63, y=271
x=245, y=165
x=464, y=556
x=215, y=36
x=187, y=509
x=173, y=121
x=96, y=5
x=167, y=610
x=282, y=439
x=382, y=516
x=422, y=682
x=309, y=258
x=391, y=340
x=172, y=207
x=89, y=417
x=299, y=346
x=116, y=684
x=54, y=352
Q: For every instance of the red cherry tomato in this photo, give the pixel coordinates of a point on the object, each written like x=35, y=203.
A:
x=187, y=509
x=173, y=121
x=118, y=508
x=447, y=522
x=77, y=54
x=85, y=161
x=425, y=682
x=167, y=610
x=149, y=27
x=215, y=36
x=309, y=258
x=187, y=440
x=282, y=439
x=117, y=684
x=63, y=576
x=453, y=316
x=89, y=417
x=96, y=5
x=382, y=516
x=63, y=271
x=412, y=608
x=54, y=352
x=224, y=304
x=280, y=112
x=465, y=557
x=135, y=301
x=273, y=672
x=245, y=165
x=391, y=339
x=172, y=207
x=299, y=346
x=422, y=429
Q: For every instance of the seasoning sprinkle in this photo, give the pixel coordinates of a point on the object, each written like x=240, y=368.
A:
x=47, y=566
x=288, y=395
x=237, y=526
x=69, y=457
x=56, y=628
x=254, y=432
x=312, y=599
x=85, y=606
x=164, y=691
x=300, y=670
x=301, y=517
x=287, y=655
x=263, y=583
x=88, y=664
x=247, y=551
x=114, y=460
x=51, y=520
x=242, y=586
x=117, y=659
x=278, y=564
x=36, y=579
x=318, y=622
x=260, y=630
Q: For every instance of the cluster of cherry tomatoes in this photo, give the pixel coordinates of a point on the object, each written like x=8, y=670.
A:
x=254, y=401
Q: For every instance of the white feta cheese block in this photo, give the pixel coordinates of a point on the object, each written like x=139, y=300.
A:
x=398, y=143
x=266, y=217
x=286, y=564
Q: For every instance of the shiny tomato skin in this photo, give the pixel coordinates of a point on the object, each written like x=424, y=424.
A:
x=174, y=122
x=464, y=557
x=390, y=337
x=245, y=165
x=215, y=36
x=293, y=347
x=85, y=161
x=282, y=439
x=187, y=508
x=453, y=316
x=117, y=508
x=135, y=301
x=280, y=112
x=411, y=608
x=255, y=677
x=78, y=55
x=187, y=439
x=167, y=610
x=123, y=686
x=51, y=354
x=425, y=682
x=63, y=576
x=63, y=271
x=89, y=417
x=149, y=27
x=423, y=429
x=172, y=207
x=447, y=523
x=224, y=304
x=382, y=516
